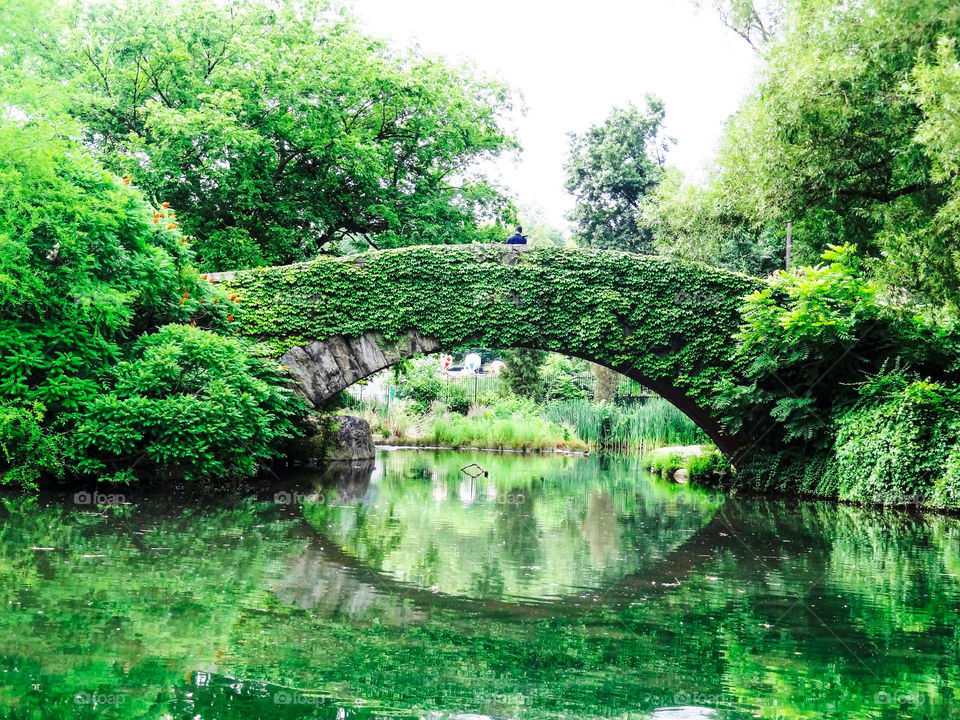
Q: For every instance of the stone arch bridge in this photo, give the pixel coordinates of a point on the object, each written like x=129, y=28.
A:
x=665, y=323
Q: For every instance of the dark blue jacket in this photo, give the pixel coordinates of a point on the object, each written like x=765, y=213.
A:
x=516, y=239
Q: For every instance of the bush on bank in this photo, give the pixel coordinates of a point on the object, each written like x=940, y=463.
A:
x=114, y=353
x=838, y=400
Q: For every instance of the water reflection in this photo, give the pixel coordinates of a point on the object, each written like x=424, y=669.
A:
x=338, y=601
x=511, y=533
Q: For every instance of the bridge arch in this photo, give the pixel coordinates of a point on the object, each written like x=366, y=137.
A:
x=665, y=323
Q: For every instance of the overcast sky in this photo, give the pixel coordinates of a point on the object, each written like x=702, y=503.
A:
x=574, y=61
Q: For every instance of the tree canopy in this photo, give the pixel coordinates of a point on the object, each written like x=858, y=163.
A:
x=281, y=128
x=612, y=168
x=848, y=137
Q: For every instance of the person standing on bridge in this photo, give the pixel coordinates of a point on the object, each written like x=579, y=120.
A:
x=517, y=238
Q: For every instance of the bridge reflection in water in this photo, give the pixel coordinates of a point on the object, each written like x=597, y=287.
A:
x=403, y=592
x=513, y=544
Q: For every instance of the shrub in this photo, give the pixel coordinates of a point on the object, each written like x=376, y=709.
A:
x=899, y=442
x=87, y=267
x=189, y=403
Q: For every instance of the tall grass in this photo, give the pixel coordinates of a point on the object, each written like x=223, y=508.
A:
x=638, y=427
x=514, y=423
x=400, y=425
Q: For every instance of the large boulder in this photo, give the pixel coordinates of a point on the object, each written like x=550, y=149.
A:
x=340, y=438
x=352, y=441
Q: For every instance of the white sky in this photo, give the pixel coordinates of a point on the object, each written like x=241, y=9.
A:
x=573, y=61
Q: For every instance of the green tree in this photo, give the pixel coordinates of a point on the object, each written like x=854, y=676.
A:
x=701, y=223
x=756, y=21
x=611, y=169
x=524, y=372
x=833, y=139
x=282, y=127
x=86, y=268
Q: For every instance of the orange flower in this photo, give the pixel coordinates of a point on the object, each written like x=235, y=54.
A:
x=216, y=300
x=164, y=205
x=181, y=301
x=186, y=296
x=235, y=332
x=156, y=221
x=193, y=324
x=171, y=226
x=284, y=367
x=230, y=317
x=184, y=240
x=232, y=296
x=203, y=277
x=202, y=301
x=210, y=280
x=126, y=180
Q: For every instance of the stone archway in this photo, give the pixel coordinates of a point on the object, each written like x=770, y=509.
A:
x=667, y=324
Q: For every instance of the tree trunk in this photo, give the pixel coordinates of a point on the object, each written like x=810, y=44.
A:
x=605, y=382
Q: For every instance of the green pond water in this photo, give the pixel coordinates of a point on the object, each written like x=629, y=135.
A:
x=553, y=587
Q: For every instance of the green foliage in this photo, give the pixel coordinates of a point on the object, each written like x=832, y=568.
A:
x=188, y=403
x=424, y=387
x=706, y=224
x=848, y=137
x=809, y=337
x=566, y=378
x=612, y=168
x=86, y=267
x=523, y=373
x=28, y=449
x=703, y=466
x=282, y=126
x=511, y=424
x=630, y=428
x=899, y=442
x=833, y=395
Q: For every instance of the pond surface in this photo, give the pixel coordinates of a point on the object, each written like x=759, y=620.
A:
x=552, y=587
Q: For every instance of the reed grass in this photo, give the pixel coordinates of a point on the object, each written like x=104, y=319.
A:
x=632, y=428
x=399, y=425
x=518, y=424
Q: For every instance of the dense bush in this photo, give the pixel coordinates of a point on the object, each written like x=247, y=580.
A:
x=808, y=339
x=899, y=443
x=188, y=403
x=86, y=268
x=835, y=399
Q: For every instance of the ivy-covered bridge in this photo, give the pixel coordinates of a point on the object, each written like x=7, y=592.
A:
x=664, y=323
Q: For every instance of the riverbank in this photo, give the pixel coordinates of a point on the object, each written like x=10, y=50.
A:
x=576, y=426
x=450, y=430
x=390, y=448
x=686, y=463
